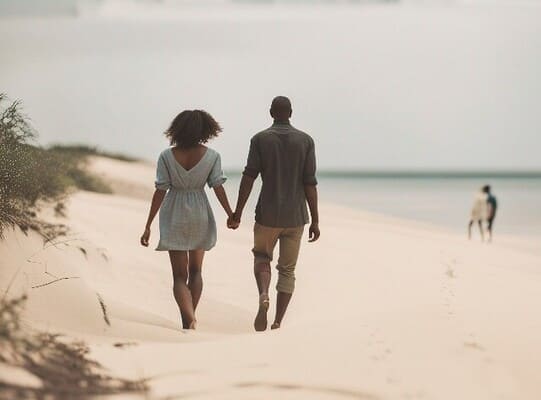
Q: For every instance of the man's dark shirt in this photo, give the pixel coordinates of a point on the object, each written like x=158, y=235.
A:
x=285, y=158
x=493, y=203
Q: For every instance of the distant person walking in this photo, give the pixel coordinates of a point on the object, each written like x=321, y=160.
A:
x=492, y=207
x=479, y=212
x=187, y=224
x=285, y=158
x=484, y=208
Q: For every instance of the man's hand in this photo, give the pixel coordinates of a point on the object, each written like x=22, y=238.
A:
x=313, y=232
x=145, y=237
x=233, y=221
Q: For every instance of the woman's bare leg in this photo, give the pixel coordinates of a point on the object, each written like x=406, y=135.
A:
x=195, y=280
x=183, y=297
x=481, y=230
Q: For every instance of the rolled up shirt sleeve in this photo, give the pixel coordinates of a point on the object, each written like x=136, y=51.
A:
x=253, y=164
x=163, y=179
x=309, y=175
x=216, y=177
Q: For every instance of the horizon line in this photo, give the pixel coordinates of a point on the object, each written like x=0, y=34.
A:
x=421, y=173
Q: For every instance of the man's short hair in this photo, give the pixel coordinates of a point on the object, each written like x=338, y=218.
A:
x=281, y=105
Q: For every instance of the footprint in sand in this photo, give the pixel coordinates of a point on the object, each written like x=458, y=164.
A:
x=474, y=345
x=414, y=396
x=319, y=391
x=122, y=345
x=382, y=351
x=448, y=284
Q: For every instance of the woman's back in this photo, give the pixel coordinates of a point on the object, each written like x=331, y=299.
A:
x=186, y=219
x=203, y=166
x=479, y=208
x=189, y=158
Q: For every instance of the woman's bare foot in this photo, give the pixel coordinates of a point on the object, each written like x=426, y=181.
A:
x=260, y=323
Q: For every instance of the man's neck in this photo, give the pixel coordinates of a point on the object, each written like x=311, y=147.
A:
x=281, y=121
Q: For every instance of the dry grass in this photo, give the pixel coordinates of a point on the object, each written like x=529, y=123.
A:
x=31, y=175
x=64, y=368
x=85, y=150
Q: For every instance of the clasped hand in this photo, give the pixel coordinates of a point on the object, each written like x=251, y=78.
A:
x=233, y=222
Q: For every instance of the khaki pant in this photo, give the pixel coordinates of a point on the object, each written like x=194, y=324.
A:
x=265, y=239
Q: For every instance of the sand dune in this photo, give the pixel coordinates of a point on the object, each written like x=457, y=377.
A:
x=384, y=308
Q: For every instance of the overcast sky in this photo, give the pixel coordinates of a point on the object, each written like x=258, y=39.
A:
x=448, y=86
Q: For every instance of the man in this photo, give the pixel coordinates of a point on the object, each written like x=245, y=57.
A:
x=492, y=207
x=285, y=159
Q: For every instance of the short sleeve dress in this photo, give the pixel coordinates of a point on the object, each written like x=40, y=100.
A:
x=186, y=218
x=479, y=211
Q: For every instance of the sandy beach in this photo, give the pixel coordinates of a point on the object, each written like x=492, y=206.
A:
x=384, y=308
x=413, y=107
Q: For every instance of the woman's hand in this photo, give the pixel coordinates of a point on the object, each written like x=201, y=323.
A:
x=157, y=200
x=145, y=237
x=233, y=221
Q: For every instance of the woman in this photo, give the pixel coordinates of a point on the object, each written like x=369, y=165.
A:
x=479, y=212
x=187, y=225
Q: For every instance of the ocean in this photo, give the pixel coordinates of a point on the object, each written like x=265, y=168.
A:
x=439, y=200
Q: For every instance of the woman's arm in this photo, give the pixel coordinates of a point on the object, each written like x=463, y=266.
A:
x=246, y=185
x=157, y=200
x=222, y=198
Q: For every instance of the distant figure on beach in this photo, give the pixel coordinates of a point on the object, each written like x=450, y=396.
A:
x=492, y=207
x=484, y=208
x=285, y=158
x=187, y=224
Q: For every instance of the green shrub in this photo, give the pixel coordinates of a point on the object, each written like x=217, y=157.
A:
x=30, y=174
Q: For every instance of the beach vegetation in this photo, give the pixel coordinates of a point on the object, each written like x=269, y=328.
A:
x=32, y=175
x=84, y=150
x=52, y=366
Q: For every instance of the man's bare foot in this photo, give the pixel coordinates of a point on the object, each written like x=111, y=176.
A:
x=260, y=323
x=276, y=325
x=193, y=325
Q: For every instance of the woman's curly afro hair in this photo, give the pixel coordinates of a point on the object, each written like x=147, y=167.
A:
x=192, y=127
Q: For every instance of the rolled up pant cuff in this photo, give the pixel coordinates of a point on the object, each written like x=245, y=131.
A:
x=286, y=287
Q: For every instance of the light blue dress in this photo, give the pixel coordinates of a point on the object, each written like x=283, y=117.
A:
x=186, y=219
